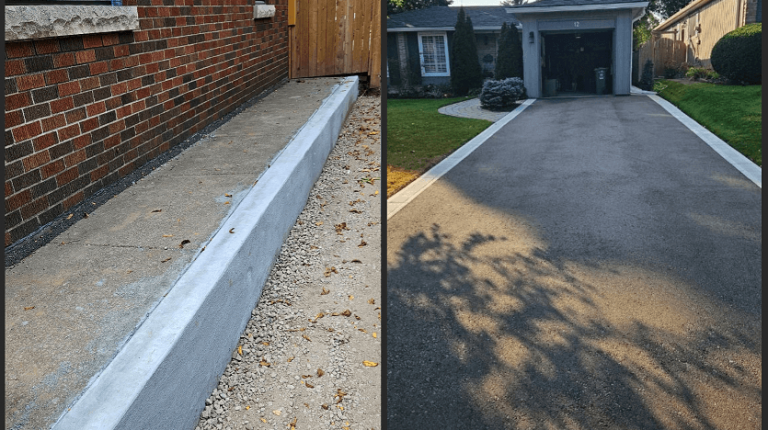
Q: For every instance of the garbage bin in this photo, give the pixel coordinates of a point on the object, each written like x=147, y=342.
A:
x=601, y=74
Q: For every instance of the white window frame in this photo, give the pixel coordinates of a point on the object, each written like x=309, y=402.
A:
x=447, y=53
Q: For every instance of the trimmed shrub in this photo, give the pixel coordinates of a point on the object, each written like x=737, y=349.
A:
x=646, y=80
x=498, y=94
x=509, y=63
x=466, y=72
x=737, y=55
x=697, y=73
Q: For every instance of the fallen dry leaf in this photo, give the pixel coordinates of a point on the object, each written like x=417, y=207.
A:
x=362, y=244
x=355, y=211
x=290, y=359
x=351, y=297
x=263, y=420
x=306, y=337
x=324, y=406
x=325, y=291
x=167, y=259
x=28, y=308
x=247, y=407
x=264, y=363
x=369, y=363
x=232, y=230
x=346, y=313
x=309, y=385
x=356, y=261
x=167, y=235
x=371, y=301
x=240, y=349
x=227, y=195
x=320, y=372
x=277, y=412
x=319, y=223
x=374, y=335
x=70, y=216
x=183, y=242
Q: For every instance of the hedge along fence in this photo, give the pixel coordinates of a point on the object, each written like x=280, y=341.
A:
x=83, y=111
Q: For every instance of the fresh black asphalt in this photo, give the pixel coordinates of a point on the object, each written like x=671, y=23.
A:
x=528, y=238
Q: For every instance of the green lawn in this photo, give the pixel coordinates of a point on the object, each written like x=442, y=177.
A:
x=418, y=137
x=732, y=112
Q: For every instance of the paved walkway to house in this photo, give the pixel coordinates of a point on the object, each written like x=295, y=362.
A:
x=592, y=265
x=74, y=303
x=471, y=109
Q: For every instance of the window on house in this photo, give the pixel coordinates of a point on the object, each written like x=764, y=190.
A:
x=433, y=48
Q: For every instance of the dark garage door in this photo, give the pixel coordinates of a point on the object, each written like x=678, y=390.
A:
x=572, y=58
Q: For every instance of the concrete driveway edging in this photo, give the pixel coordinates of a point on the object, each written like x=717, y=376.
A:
x=404, y=196
x=163, y=374
x=743, y=164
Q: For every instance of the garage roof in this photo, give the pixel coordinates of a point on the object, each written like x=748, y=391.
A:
x=444, y=18
x=575, y=5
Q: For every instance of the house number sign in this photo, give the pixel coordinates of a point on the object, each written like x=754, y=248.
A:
x=576, y=24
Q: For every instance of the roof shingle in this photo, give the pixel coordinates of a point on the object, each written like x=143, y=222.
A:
x=444, y=16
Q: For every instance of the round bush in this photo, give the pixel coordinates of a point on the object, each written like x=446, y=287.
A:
x=737, y=55
x=497, y=94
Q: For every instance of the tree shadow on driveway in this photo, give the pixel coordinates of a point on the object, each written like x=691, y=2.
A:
x=486, y=330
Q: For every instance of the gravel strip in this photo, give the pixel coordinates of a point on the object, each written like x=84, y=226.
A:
x=306, y=358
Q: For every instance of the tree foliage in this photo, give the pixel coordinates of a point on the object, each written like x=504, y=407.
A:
x=466, y=72
x=641, y=30
x=397, y=6
x=509, y=61
x=666, y=8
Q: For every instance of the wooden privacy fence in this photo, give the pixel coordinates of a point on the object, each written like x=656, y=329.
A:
x=663, y=52
x=335, y=37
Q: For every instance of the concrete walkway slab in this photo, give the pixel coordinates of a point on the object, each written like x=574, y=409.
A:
x=79, y=308
x=471, y=109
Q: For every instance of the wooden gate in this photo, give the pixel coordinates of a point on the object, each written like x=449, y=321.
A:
x=335, y=37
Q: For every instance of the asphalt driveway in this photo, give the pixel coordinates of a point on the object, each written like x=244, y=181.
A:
x=593, y=265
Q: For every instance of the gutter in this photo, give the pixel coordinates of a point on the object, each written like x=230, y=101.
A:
x=578, y=8
x=682, y=12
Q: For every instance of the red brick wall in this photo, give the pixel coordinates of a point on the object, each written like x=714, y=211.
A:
x=82, y=112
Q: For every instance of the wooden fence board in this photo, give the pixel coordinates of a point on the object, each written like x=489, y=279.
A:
x=336, y=37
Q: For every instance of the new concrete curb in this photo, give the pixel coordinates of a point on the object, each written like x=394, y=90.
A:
x=743, y=164
x=407, y=194
x=164, y=373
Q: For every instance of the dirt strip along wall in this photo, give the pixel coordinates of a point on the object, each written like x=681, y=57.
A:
x=83, y=111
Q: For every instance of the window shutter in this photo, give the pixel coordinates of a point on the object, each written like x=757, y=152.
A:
x=392, y=59
x=414, y=66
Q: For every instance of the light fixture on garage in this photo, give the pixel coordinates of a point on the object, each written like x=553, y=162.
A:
x=578, y=36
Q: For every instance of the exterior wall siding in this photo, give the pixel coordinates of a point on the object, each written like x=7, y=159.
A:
x=404, y=51
x=690, y=38
x=84, y=111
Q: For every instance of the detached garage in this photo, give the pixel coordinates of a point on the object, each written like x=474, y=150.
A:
x=577, y=46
